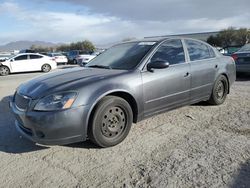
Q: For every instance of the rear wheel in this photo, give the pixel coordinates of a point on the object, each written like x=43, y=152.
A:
x=46, y=68
x=4, y=71
x=74, y=61
x=220, y=91
x=111, y=121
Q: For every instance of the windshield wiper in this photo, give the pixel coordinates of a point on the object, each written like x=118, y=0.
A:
x=100, y=66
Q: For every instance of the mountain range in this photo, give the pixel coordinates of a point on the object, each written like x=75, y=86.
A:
x=19, y=45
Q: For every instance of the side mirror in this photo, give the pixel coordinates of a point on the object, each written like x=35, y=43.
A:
x=11, y=60
x=157, y=64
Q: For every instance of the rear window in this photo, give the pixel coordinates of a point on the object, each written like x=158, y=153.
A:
x=245, y=48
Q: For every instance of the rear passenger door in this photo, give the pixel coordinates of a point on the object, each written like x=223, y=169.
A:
x=19, y=63
x=35, y=62
x=203, y=69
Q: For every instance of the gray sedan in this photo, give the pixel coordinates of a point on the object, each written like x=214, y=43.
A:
x=127, y=83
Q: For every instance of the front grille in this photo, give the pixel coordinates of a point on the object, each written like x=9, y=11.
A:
x=21, y=102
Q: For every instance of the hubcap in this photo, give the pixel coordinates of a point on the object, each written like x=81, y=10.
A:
x=220, y=90
x=46, y=68
x=4, y=71
x=113, y=122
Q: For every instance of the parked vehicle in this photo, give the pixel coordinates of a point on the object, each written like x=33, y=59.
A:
x=59, y=58
x=4, y=57
x=73, y=54
x=242, y=59
x=127, y=83
x=85, y=58
x=26, y=51
x=27, y=62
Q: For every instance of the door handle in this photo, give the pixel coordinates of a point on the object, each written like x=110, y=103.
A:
x=187, y=74
x=216, y=66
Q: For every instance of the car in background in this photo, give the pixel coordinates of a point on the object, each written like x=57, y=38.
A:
x=127, y=83
x=228, y=51
x=59, y=58
x=242, y=59
x=26, y=51
x=4, y=57
x=27, y=62
x=85, y=58
x=73, y=54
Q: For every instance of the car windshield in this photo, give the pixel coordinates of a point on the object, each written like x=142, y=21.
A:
x=124, y=56
x=245, y=48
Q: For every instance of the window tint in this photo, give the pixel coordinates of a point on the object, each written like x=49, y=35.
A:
x=197, y=50
x=35, y=56
x=170, y=51
x=21, y=57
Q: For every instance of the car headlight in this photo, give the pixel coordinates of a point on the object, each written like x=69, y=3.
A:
x=57, y=101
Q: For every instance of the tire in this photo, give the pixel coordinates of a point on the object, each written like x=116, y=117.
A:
x=220, y=91
x=74, y=62
x=46, y=68
x=4, y=71
x=111, y=121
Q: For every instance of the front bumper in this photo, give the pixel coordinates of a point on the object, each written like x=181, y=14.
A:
x=52, y=128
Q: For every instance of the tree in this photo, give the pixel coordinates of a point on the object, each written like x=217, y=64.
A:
x=227, y=36
x=230, y=37
x=242, y=36
x=214, y=40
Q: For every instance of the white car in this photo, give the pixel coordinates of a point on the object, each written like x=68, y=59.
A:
x=27, y=62
x=59, y=58
x=85, y=58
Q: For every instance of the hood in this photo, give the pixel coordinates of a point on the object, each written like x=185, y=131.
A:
x=70, y=79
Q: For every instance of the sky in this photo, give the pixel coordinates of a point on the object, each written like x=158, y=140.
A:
x=108, y=21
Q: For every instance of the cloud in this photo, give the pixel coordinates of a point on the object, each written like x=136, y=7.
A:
x=165, y=10
x=111, y=20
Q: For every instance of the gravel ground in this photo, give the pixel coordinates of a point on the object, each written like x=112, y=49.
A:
x=194, y=146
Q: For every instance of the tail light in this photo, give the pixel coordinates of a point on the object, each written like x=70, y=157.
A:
x=235, y=57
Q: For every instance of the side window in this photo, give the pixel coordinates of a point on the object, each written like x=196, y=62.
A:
x=21, y=57
x=170, y=51
x=35, y=56
x=197, y=50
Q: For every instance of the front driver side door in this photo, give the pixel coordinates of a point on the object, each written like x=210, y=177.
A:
x=164, y=89
x=19, y=63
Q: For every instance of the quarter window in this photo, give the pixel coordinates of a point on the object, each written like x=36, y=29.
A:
x=21, y=57
x=170, y=51
x=197, y=50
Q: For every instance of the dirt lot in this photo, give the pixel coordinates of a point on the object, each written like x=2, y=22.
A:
x=195, y=146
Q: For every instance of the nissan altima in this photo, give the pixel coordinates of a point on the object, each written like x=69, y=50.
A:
x=127, y=83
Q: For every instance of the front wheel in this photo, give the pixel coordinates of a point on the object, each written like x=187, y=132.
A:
x=220, y=91
x=46, y=68
x=4, y=71
x=111, y=121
